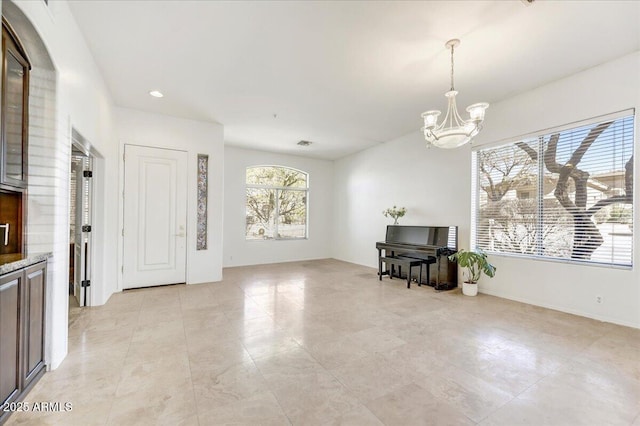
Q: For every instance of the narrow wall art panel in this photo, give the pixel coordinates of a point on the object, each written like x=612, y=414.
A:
x=203, y=183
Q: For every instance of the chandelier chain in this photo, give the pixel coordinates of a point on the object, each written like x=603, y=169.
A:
x=452, y=67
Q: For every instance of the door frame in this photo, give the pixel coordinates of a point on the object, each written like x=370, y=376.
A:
x=188, y=223
x=79, y=143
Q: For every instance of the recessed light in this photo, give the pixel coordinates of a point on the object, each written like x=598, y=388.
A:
x=156, y=94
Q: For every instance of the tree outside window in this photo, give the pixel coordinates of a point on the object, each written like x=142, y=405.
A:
x=567, y=194
x=276, y=205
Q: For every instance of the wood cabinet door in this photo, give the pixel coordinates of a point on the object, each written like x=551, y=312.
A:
x=14, y=111
x=11, y=286
x=34, y=314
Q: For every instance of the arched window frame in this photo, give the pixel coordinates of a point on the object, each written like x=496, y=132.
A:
x=275, y=229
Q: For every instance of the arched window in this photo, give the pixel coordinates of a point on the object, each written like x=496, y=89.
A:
x=276, y=203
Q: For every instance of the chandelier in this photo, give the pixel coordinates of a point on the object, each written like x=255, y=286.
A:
x=453, y=131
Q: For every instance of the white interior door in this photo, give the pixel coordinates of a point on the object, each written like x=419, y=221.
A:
x=155, y=216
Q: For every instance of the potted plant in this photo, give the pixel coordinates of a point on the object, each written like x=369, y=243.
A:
x=395, y=213
x=475, y=263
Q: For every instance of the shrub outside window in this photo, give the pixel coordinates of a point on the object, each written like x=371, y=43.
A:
x=565, y=194
x=276, y=207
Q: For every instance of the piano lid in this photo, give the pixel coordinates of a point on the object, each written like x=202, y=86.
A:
x=439, y=236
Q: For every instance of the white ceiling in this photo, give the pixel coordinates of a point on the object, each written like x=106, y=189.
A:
x=344, y=75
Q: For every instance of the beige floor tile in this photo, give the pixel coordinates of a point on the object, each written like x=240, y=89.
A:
x=585, y=406
x=146, y=350
x=161, y=332
x=228, y=354
x=97, y=365
x=261, y=409
x=474, y=397
x=359, y=416
x=412, y=405
x=511, y=366
x=152, y=374
x=103, y=321
x=615, y=352
x=228, y=385
x=269, y=343
x=245, y=328
x=164, y=405
x=309, y=333
x=344, y=320
x=101, y=341
x=198, y=318
x=197, y=294
x=333, y=353
x=87, y=413
x=226, y=292
x=211, y=335
x=608, y=386
x=312, y=398
x=326, y=342
x=375, y=340
x=288, y=365
x=370, y=377
x=242, y=310
x=414, y=361
x=162, y=313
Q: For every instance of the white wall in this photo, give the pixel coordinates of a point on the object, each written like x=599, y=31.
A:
x=435, y=186
x=237, y=250
x=81, y=101
x=195, y=137
x=608, y=88
x=430, y=183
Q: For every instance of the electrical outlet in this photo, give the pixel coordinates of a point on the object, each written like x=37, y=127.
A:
x=599, y=300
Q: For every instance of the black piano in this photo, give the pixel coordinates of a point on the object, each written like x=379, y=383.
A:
x=430, y=245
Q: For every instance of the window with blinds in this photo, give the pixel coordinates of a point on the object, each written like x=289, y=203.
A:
x=565, y=194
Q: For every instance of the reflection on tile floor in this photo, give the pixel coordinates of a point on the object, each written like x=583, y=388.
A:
x=325, y=342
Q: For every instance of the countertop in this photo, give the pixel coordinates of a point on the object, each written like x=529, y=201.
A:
x=14, y=261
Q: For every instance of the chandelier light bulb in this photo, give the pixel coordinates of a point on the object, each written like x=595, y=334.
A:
x=453, y=131
x=430, y=118
x=476, y=111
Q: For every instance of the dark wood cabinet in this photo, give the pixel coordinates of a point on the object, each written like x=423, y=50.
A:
x=14, y=114
x=22, y=291
x=34, y=332
x=22, y=331
x=11, y=221
x=14, y=111
x=11, y=287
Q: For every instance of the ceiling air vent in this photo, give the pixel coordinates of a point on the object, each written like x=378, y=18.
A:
x=304, y=143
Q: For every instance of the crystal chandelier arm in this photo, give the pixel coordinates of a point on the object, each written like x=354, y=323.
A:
x=452, y=118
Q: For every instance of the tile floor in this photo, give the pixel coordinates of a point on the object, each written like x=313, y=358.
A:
x=324, y=342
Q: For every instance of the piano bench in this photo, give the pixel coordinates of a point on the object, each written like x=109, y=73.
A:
x=426, y=261
x=407, y=262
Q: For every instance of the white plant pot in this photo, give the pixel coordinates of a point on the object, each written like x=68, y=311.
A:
x=469, y=289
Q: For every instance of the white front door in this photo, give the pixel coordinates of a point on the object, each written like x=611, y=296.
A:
x=155, y=216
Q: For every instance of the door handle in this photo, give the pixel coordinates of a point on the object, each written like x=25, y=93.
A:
x=181, y=234
x=6, y=233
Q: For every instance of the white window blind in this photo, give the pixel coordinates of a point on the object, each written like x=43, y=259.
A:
x=565, y=194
